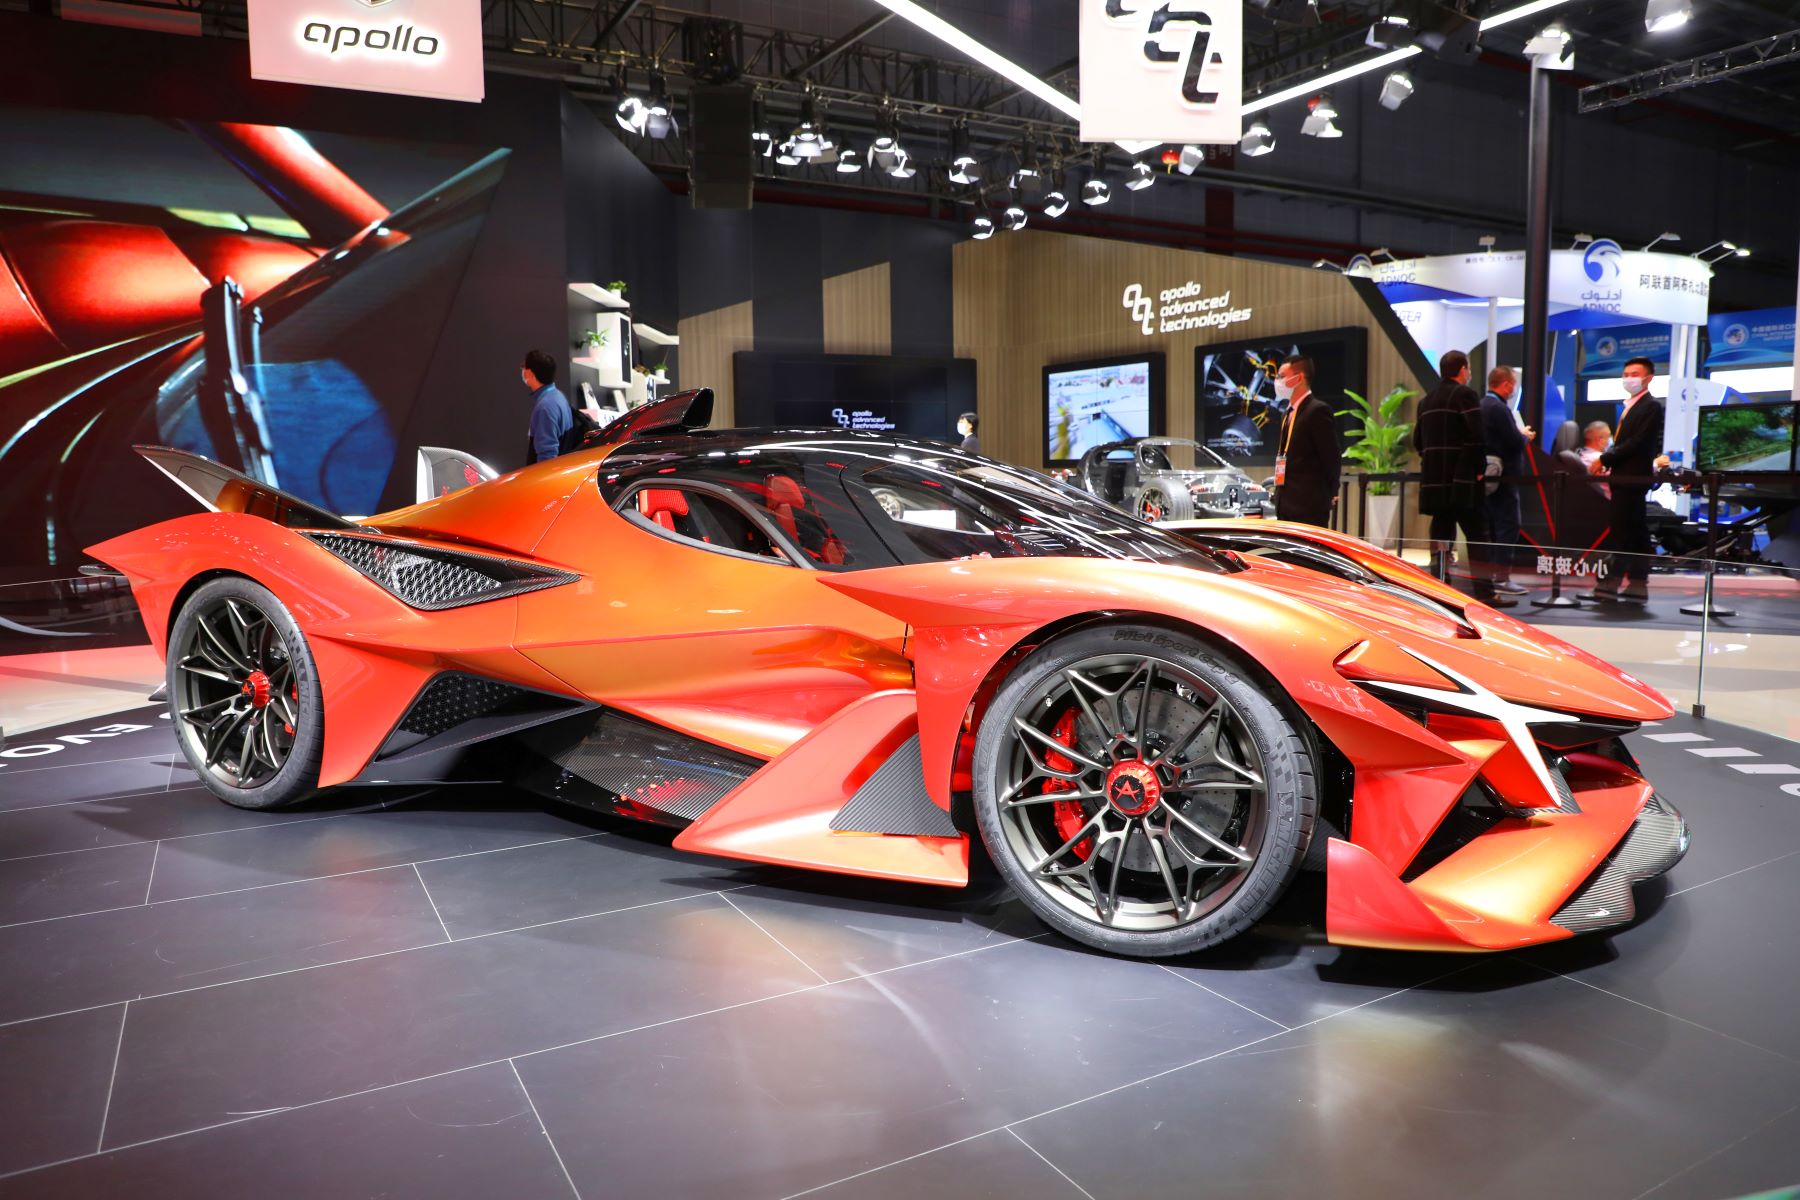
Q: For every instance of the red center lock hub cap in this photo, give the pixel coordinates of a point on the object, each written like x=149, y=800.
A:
x=1132, y=788
x=257, y=688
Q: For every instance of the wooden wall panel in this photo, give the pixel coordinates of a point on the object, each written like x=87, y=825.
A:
x=707, y=343
x=859, y=312
x=1030, y=299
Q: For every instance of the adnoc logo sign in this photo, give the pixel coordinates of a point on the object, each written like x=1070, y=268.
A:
x=1603, y=260
x=408, y=47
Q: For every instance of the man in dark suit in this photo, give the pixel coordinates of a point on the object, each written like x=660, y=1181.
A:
x=1506, y=440
x=1308, y=462
x=1452, y=462
x=1632, y=459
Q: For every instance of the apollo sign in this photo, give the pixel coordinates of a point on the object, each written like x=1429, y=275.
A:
x=409, y=47
x=1176, y=309
x=1161, y=71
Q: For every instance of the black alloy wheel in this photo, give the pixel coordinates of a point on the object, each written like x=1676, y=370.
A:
x=1152, y=507
x=244, y=695
x=1141, y=792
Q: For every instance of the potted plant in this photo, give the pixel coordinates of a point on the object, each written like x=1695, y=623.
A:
x=593, y=339
x=616, y=287
x=661, y=370
x=1380, y=446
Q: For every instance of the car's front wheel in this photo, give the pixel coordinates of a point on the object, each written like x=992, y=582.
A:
x=1141, y=792
x=244, y=695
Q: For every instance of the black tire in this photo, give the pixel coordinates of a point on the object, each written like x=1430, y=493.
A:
x=1141, y=883
x=244, y=696
x=1155, y=505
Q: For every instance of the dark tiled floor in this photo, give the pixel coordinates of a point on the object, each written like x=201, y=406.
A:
x=462, y=993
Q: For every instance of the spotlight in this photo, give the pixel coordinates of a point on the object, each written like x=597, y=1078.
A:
x=631, y=115
x=1382, y=252
x=1139, y=176
x=659, y=118
x=1056, y=201
x=1258, y=140
x=964, y=167
x=809, y=138
x=1552, y=49
x=1580, y=240
x=1189, y=160
x=1396, y=90
x=902, y=168
x=1718, y=245
x=1013, y=218
x=885, y=152
x=1320, y=117
x=849, y=161
x=1663, y=237
x=1663, y=15
x=1325, y=264
x=762, y=138
x=1391, y=32
x=1487, y=242
x=1095, y=192
x=787, y=154
x=982, y=227
x=1028, y=163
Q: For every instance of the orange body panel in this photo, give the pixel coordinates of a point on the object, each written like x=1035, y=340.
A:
x=824, y=674
x=783, y=813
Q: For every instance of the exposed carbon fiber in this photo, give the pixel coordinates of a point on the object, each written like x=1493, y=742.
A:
x=1657, y=840
x=430, y=578
x=1564, y=793
x=894, y=800
x=655, y=767
x=451, y=699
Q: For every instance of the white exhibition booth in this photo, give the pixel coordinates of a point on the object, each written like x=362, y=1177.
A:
x=1463, y=300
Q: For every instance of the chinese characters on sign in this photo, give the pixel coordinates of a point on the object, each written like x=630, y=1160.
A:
x=1161, y=71
x=1565, y=565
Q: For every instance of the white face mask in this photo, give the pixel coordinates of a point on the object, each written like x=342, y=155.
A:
x=1635, y=384
x=1284, y=390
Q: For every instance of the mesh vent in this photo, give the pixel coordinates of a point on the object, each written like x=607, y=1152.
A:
x=431, y=579
x=1658, y=839
x=449, y=700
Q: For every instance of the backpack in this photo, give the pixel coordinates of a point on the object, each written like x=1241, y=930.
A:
x=579, y=427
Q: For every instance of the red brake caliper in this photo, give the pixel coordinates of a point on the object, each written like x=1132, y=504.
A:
x=1067, y=815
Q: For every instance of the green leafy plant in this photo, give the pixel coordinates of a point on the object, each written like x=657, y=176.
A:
x=616, y=287
x=1380, y=445
x=661, y=368
x=594, y=338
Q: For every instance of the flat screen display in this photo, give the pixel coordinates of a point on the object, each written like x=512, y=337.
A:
x=1237, y=414
x=1746, y=437
x=920, y=397
x=1088, y=404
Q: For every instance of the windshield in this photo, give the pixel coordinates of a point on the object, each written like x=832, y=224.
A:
x=938, y=507
x=856, y=501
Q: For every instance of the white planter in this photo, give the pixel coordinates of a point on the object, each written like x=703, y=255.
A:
x=1383, y=520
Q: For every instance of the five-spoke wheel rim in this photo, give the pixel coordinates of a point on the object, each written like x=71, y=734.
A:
x=1131, y=792
x=1151, y=507
x=234, y=693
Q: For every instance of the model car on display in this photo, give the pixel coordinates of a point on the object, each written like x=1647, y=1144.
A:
x=854, y=652
x=1171, y=479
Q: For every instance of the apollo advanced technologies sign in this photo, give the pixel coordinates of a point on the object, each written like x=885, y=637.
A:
x=1161, y=72
x=409, y=47
x=1181, y=308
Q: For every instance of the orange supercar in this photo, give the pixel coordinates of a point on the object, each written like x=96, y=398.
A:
x=854, y=652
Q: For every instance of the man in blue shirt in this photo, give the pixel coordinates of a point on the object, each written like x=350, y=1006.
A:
x=551, y=416
x=1507, y=439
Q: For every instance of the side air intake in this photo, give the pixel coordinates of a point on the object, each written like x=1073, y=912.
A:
x=432, y=578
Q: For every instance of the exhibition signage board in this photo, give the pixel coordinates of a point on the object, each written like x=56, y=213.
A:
x=1764, y=337
x=1606, y=351
x=1153, y=71
x=1178, y=308
x=408, y=47
x=1603, y=280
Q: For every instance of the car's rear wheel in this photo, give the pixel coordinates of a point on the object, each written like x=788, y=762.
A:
x=1141, y=792
x=244, y=695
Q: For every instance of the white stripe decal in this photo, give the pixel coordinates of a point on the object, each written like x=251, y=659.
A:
x=1764, y=768
x=1722, y=752
x=1672, y=738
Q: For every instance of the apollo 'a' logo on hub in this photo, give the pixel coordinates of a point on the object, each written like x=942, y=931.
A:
x=401, y=39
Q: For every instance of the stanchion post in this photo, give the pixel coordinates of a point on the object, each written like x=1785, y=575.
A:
x=1706, y=601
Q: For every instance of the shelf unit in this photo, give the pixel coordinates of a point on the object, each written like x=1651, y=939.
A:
x=627, y=342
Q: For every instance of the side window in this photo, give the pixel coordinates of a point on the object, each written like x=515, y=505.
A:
x=713, y=522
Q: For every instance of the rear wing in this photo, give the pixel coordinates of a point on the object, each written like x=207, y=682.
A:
x=442, y=471
x=222, y=489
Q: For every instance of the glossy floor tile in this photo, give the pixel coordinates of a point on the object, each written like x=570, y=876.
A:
x=467, y=993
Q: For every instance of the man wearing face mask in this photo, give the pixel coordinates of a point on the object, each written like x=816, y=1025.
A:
x=1506, y=439
x=1452, y=463
x=1308, y=461
x=1632, y=458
